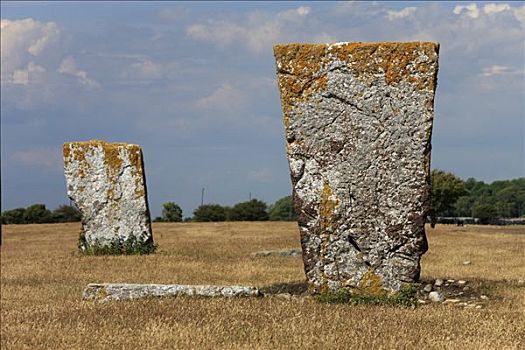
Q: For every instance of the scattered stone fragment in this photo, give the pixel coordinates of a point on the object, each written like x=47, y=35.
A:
x=107, y=183
x=479, y=306
x=451, y=281
x=462, y=282
x=358, y=120
x=483, y=297
x=438, y=282
x=436, y=297
x=421, y=301
x=521, y=282
x=125, y=291
x=466, y=262
x=451, y=301
x=462, y=304
x=283, y=252
x=285, y=296
x=428, y=288
x=466, y=288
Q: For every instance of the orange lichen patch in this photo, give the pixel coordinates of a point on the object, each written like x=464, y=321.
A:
x=326, y=219
x=300, y=66
x=371, y=284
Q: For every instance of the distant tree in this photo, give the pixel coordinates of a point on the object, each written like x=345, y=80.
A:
x=171, y=212
x=253, y=210
x=485, y=212
x=14, y=216
x=446, y=189
x=66, y=213
x=157, y=219
x=210, y=212
x=282, y=209
x=37, y=214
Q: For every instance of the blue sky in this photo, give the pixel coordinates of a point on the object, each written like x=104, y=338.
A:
x=194, y=84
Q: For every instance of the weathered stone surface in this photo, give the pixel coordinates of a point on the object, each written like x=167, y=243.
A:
x=107, y=183
x=358, y=122
x=124, y=291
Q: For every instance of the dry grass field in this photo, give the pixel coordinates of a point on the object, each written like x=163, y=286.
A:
x=42, y=278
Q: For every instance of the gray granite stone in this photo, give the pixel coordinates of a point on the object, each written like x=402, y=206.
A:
x=358, y=122
x=107, y=183
x=126, y=291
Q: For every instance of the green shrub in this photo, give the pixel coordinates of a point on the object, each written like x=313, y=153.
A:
x=130, y=246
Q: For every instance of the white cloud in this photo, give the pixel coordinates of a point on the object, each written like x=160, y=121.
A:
x=23, y=76
x=407, y=11
x=48, y=158
x=224, y=98
x=519, y=14
x=494, y=70
x=146, y=70
x=471, y=10
x=68, y=67
x=495, y=8
x=257, y=31
x=23, y=41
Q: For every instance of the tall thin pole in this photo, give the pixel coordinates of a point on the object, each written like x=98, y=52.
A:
x=250, y=196
x=202, y=197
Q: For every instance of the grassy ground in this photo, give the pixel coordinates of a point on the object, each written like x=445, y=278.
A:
x=42, y=278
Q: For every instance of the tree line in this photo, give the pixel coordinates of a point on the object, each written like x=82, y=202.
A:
x=39, y=214
x=450, y=197
x=252, y=210
x=454, y=197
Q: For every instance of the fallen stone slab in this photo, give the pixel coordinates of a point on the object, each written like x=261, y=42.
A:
x=127, y=291
x=282, y=252
x=107, y=183
x=358, y=121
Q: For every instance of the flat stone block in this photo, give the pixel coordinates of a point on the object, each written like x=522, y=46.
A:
x=358, y=123
x=126, y=291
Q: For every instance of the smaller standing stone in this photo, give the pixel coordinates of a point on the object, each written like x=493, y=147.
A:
x=107, y=183
x=436, y=297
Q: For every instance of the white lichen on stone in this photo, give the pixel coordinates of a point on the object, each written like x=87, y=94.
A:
x=358, y=122
x=107, y=183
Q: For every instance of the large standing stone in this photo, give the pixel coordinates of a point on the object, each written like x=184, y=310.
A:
x=358, y=122
x=107, y=183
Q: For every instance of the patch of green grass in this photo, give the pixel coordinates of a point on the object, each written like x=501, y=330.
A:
x=405, y=297
x=130, y=246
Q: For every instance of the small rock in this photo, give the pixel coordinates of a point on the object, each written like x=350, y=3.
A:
x=462, y=304
x=421, y=301
x=521, y=282
x=461, y=293
x=285, y=296
x=438, y=282
x=428, y=288
x=462, y=282
x=479, y=307
x=451, y=281
x=466, y=262
x=436, y=297
x=451, y=301
x=484, y=297
x=469, y=306
x=466, y=288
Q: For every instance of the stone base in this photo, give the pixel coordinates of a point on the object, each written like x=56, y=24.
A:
x=127, y=291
